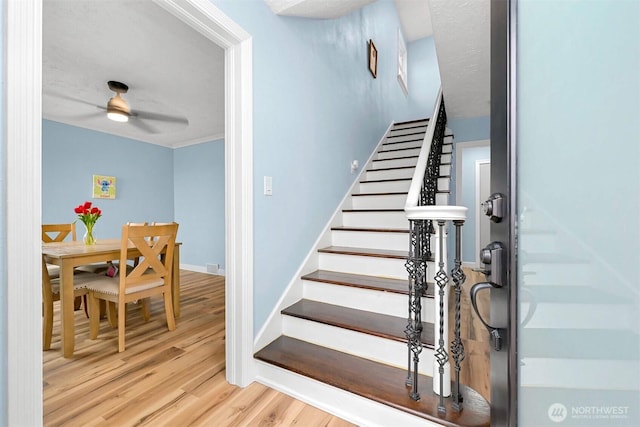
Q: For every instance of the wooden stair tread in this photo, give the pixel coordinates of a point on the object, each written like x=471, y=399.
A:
x=375, y=283
x=373, y=210
x=411, y=121
x=367, y=322
x=375, y=381
x=390, y=169
x=401, y=142
x=371, y=229
x=406, y=134
x=385, y=180
x=398, y=151
x=396, y=158
x=380, y=194
x=381, y=253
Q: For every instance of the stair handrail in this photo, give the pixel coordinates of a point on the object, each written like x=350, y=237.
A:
x=422, y=213
x=413, y=197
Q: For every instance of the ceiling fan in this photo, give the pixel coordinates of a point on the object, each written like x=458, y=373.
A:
x=118, y=110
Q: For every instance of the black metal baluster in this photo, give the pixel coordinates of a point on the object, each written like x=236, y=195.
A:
x=457, y=347
x=416, y=267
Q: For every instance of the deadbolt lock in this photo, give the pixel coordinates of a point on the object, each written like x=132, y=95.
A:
x=493, y=207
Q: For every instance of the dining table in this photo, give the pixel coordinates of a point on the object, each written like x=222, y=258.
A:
x=72, y=254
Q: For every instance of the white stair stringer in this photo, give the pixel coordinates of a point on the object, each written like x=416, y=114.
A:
x=371, y=218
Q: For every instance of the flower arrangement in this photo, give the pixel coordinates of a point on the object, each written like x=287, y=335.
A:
x=88, y=215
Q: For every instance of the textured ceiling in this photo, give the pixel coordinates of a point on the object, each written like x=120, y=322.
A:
x=325, y=9
x=461, y=30
x=173, y=70
x=170, y=69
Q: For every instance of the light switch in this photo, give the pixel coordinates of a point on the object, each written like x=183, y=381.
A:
x=268, y=186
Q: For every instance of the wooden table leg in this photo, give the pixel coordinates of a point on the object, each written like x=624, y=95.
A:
x=67, y=323
x=175, y=282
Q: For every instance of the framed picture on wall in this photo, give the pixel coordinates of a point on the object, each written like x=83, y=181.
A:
x=373, y=59
x=104, y=187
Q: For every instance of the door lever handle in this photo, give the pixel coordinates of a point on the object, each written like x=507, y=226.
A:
x=494, y=333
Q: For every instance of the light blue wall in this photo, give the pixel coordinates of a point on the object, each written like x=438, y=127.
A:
x=316, y=108
x=199, y=202
x=470, y=129
x=578, y=153
x=423, y=76
x=464, y=130
x=72, y=155
x=3, y=239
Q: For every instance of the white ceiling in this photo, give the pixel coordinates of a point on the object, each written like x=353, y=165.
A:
x=173, y=70
x=170, y=69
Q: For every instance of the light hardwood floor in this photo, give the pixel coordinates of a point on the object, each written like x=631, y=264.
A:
x=163, y=378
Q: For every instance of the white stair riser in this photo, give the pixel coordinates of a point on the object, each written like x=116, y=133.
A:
x=400, y=146
x=445, y=158
x=373, y=175
x=442, y=198
x=557, y=274
x=389, y=303
x=385, y=187
x=370, y=239
x=593, y=374
x=381, y=201
x=398, y=153
x=444, y=184
x=402, y=130
x=375, y=219
x=407, y=130
x=394, y=163
x=537, y=242
x=578, y=316
x=356, y=264
x=447, y=148
x=445, y=170
x=423, y=123
x=390, y=139
x=371, y=347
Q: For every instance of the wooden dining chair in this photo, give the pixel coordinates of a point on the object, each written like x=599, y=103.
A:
x=152, y=275
x=58, y=232
x=51, y=293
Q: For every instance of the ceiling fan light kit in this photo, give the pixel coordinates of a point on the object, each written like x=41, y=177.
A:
x=117, y=107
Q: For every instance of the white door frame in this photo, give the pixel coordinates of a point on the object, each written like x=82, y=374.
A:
x=479, y=216
x=460, y=149
x=22, y=36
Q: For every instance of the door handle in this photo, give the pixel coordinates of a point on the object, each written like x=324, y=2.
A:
x=494, y=333
x=492, y=256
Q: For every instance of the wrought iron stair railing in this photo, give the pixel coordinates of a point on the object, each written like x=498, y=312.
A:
x=426, y=222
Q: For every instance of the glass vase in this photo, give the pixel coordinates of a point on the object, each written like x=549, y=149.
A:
x=88, y=235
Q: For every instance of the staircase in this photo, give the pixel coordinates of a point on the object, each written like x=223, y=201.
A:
x=343, y=347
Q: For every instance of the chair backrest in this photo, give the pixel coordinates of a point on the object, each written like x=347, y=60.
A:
x=58, y=232
x=156, y=245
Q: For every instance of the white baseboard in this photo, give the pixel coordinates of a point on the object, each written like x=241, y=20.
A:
x=200, y=269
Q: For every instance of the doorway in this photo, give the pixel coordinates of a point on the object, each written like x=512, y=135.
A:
x=23, y=118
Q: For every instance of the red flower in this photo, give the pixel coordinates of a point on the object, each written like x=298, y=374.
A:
x=88, y=214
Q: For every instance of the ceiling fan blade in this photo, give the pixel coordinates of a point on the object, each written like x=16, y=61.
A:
x=71, y=98
x=159, y=116
x=142, y=125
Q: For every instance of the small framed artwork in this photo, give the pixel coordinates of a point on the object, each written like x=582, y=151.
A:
x=104, y=187
x=373, y=59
